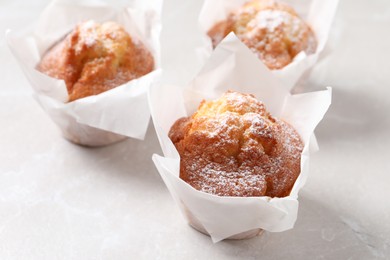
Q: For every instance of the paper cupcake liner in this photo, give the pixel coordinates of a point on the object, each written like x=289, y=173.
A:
x=88, y=136
x=112, y=115
x=197, y=225
x=230, y=68
x=318, y=15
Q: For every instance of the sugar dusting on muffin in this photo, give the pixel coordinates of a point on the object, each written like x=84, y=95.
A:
x=273, y=30
x=95, y=58
x=233, y=147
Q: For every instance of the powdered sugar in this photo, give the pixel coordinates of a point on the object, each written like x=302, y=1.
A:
x=272, y=30
x=235, y=148
x=268, y=19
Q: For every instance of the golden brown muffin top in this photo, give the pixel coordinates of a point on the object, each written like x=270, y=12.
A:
x=95, y=58
x=273, y=30
x=233, y=147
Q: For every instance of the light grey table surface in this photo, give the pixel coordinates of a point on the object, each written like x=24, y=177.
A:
x=63, y=201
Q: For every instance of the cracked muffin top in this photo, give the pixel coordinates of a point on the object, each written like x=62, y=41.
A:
x=95, y=57
x=272, y=30
x=232, y=146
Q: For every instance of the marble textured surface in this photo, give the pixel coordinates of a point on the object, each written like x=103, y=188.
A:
x=62, y=201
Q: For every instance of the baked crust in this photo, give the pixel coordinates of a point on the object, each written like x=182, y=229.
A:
x=95, y=58
x=233, y=147
x=273, y=30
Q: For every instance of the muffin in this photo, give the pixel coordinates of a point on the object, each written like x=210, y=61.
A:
x=95, y=57
x=272, y=30
x=233, y=146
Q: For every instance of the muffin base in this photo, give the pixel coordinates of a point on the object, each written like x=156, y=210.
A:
x=195, y=224
x=240, y=236
x=90, y=136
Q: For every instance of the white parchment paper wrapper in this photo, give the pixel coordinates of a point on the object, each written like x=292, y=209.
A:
x=317, y=13
x=234, y=69
x=110, y=116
